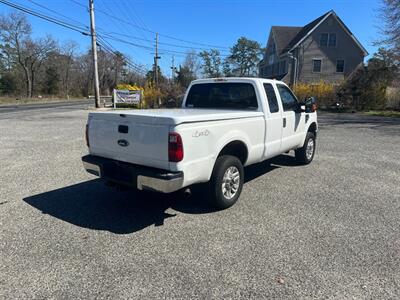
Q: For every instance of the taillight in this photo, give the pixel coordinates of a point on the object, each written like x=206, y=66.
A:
x=87, y=135
x=175, y=147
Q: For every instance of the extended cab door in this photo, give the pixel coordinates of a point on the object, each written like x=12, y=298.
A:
x=293, y=122
x=273, y=122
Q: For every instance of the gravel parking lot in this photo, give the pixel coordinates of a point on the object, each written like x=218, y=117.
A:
x=327, y=230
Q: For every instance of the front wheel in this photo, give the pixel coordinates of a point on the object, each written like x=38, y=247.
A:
x=226, y=181
x=305, y=154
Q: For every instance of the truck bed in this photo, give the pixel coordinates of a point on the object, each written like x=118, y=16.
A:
x=145, y=141
x=179, y=115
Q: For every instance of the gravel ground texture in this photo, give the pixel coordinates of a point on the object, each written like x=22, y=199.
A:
x=327, y=230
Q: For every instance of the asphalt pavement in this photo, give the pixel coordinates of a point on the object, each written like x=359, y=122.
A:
x=10, y=108
x=327, y=230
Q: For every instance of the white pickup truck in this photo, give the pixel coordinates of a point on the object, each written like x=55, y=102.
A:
x=224, y=124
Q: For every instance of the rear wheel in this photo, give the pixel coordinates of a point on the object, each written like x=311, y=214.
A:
x=226, y=181
x=305, y=154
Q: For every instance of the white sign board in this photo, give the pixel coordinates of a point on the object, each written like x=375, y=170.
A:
x=126, y=96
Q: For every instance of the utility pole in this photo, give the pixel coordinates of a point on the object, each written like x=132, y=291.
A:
x=173, y=67
x=94, y=52
x=156, y=58
x=156, y=75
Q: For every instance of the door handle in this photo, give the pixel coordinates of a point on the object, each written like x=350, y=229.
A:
x=284, y=122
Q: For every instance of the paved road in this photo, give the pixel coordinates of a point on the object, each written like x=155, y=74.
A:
x=51, y=105
x=327, y=230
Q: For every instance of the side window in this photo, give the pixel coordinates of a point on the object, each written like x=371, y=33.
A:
x=317, y=63
x=340, y=66
x=272, y=101
x=289, y=101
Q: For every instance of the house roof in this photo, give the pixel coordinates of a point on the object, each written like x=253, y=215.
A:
x=289, y=37
x=283, y=35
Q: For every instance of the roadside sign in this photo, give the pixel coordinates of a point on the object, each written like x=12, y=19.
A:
x=127, y=96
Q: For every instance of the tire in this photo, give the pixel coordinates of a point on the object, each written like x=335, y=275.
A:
x=305, y=154
x=224, y=186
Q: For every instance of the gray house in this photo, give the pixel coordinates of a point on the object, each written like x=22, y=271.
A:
x=324, y=49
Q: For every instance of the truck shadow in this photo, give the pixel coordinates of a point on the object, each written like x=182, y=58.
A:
x=94, y=205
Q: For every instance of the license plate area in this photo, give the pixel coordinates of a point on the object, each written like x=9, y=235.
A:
x=119, y=171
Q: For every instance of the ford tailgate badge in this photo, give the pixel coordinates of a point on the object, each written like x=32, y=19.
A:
x=123, y=143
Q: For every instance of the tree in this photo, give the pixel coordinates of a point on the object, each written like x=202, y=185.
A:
x=8, y=83
x=390, y=29
x=226, y=68
x=184, y=76
x=384, y=64
x=51, y=81
x=212, y=63
x=245, y=55
x=66, y=61
x=150, y=76
x=30, y=65
x=14, y=31
x=187, y=72
x=192, y=63
x=368, y=84
x=29, y=54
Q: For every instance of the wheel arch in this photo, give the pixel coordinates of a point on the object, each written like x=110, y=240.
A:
x=313, y=128
x=235, y=148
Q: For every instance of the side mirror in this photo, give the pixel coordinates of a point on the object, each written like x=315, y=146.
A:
x=299, y=108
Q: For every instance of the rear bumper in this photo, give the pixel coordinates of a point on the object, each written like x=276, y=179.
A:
x=144, y=178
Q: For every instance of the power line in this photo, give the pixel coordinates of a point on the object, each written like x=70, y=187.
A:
x=121, y=27
x=161, y=43
x=143, y=46
x=58, y=13
x=110, y=49
x=44, y=17
x=80, y=4
x=127, y=61
x=83, y=30
x=151, y=31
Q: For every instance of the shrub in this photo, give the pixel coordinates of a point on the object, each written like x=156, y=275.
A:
x=393, y=98
x=129, y=87
x=324, y=92
x=151, y=96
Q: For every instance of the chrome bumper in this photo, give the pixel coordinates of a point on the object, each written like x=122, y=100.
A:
x=159, y=185
x=144, y=178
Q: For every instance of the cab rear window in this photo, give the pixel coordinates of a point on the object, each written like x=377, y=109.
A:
x=222, y=95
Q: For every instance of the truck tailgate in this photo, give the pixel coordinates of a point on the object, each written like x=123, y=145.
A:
x=129, y=138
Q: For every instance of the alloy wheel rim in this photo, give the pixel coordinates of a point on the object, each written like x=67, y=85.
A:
x=230, y=182
x=310, y=149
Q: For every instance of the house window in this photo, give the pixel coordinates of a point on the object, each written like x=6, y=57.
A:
x=324, y=40
x=317, y=63
x=332, y=40
x=340, y=66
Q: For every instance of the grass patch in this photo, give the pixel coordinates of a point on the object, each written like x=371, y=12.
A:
x=14, y=101
x=384, y=113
